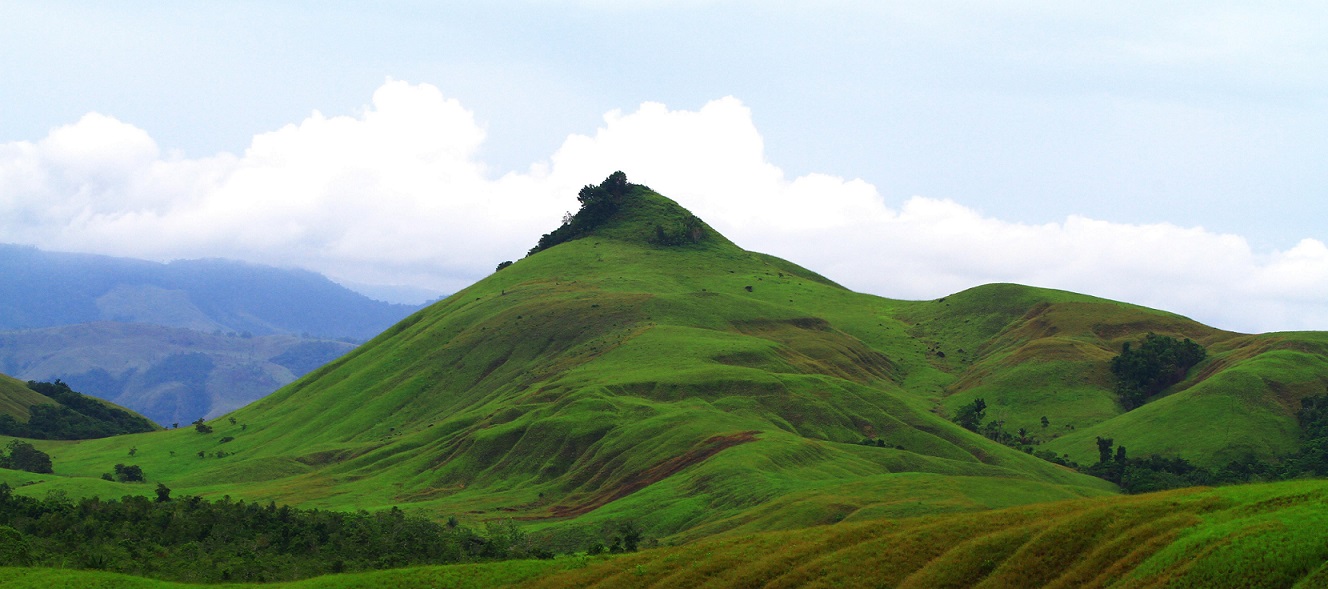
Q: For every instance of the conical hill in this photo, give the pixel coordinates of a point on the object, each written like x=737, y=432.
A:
x=638, y=365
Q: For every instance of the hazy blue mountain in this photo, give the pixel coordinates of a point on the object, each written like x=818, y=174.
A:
x=46, y=289
x=174, y=341
x=167, y=374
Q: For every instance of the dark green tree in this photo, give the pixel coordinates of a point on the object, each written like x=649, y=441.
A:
x=1104, y=449
x=970, y=416
x=598, y=204
x=21, y=455
x=1157, y=363
x=129, y=474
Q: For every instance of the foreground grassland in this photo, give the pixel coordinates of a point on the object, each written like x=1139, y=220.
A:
x=1252, y=536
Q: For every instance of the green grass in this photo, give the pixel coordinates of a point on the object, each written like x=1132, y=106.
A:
x=608, y=379
x=467, y=576
x=1249, y=536
x=16, y=397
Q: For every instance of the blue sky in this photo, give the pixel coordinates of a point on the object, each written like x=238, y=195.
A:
x=1168, y=156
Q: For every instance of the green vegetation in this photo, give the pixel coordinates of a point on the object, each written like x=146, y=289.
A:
x=1156, y=364
x=598, y=205
x=1251, y=536
x=719, y=399
x=76, y=417
x=190, y=539
x=20, y=455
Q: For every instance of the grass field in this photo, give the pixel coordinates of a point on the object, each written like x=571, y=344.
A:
x=1252, y=536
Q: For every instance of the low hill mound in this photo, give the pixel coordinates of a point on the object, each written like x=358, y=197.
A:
x=55, y=412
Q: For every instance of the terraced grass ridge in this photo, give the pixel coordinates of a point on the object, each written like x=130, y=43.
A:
x=650, y=370
x=1249, y=536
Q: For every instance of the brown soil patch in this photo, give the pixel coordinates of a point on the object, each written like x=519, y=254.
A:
x=642, y=479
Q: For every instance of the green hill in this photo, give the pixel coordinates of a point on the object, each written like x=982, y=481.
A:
x=16, y=398
x=638, y=366
x=693, y=387
x=53, y=411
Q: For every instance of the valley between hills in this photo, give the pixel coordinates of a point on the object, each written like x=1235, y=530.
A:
x=755, y=424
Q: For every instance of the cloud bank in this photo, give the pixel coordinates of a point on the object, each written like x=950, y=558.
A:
x=395, y=194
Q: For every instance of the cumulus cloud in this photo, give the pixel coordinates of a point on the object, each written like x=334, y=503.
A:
x=395, y=194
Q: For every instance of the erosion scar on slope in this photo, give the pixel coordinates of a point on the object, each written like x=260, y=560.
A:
x=640, y=480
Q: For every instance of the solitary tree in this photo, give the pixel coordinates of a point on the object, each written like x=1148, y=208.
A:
x=1104, y=448
x=970, y=416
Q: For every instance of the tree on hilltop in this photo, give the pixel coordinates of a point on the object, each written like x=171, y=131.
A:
x=598, y=204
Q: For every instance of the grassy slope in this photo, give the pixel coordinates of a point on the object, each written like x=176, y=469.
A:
x=608, y=378
x=1246, y=536
x=16, y=397
x=1035, y=352
x=1251, y=536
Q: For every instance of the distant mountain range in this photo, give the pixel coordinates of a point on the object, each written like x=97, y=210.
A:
x=169, y=374
x=174, y=341
x=48, y=289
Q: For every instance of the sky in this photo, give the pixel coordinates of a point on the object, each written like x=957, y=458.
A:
x=1168, y=156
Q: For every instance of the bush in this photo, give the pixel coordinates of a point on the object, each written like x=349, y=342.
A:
x=20, y=455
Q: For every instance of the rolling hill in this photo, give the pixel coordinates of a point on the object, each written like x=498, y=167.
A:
x=16, y=398
x=640, y=367
x=53, y=411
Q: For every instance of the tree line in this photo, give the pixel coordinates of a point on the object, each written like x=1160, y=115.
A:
x=195, y=540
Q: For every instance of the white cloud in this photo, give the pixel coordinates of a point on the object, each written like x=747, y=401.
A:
x=396, y=194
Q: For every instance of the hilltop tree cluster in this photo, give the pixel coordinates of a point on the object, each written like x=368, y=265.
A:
x=598, y=204
x=78, y=417
x=194, y=540
x=1157, y=363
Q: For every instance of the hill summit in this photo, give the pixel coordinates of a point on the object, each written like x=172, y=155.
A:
x=628, y=212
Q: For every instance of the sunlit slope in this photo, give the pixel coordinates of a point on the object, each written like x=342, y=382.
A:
x=1030, y=353
x=1252, y=536
x=16, y=397
x=611, y=377
x=1246, y=536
